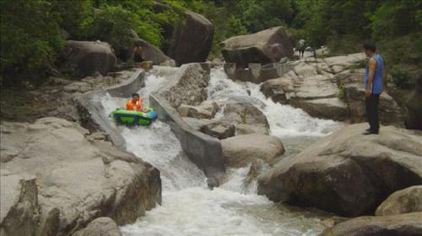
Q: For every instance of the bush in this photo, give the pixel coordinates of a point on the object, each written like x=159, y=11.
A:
x=401, y=77
x=28, y=49
x=71, y=15
x=112, y=24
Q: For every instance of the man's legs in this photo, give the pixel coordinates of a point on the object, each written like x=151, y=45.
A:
x=372, y=112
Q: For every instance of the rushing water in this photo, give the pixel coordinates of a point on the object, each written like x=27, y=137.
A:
x=188, y=206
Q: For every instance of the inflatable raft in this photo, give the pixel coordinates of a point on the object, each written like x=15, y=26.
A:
x=126, y=117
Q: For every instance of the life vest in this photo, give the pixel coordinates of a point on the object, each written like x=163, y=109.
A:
x=137, y=105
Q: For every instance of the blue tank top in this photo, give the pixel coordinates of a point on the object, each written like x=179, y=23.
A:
x=377, y=84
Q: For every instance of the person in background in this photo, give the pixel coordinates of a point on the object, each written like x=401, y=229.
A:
x=374, y=79
x=301, y=46
x=137, y=53
x=135, y=103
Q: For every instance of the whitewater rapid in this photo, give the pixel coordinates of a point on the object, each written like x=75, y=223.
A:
x=188, y=206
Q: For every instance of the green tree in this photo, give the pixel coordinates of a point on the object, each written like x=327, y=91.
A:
x=113, y=24
x=30, y=39
x=72, y=14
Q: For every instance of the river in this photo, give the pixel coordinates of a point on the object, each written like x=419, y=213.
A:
x=188, y=206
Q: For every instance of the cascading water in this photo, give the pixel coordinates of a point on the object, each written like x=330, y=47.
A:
x=284, y=120
x=188, y=206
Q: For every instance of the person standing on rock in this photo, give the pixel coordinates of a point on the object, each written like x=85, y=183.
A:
x=301, y=45
x=374, y=79
x=137, y=53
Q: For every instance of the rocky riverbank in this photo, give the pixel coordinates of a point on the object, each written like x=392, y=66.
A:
x=57, y=177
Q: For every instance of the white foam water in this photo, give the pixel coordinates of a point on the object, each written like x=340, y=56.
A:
x=188, y=206
x=284, y=120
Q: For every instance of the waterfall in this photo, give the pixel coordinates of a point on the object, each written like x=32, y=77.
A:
x=188, y=206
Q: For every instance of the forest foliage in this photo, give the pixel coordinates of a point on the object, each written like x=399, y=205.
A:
x=33, y=32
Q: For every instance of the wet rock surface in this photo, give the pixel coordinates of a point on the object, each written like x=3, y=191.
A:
x=242, y=150
x=246, y=118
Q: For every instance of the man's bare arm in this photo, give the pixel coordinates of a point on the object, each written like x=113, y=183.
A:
x=371, y=75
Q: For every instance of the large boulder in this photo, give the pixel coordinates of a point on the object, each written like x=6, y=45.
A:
x=189, y=85
x=414, y=107
x=305, y=88
x=102, y=226
x=220, y=130
x=206, y=110
x=79, y=178
x=154, y=54
x=348, y=173
x=85, y=58
x=242, y=150
x=192, y=40
x=403, y=201
x=19, y=205
x=149, y=52
x=246, y=118
x=339, y=64
x=256, y=72
x=266, y=46
x=400, y=225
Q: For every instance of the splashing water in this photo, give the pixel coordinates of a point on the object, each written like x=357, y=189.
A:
x=284, y=120
x=188, y=206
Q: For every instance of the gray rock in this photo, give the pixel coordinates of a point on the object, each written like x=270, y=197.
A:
x=153, y=54
x=256, y=72
x=326, y=108
x=220, y=130
x=102, y=226
x=82, y=178
x=266, y=46
x=188, y=86
x=242, y=150
x=245, y=117
x=193, y=39
x=86, y=58
x=197, y=124
x=81, y=87
x=304, y=88
x=19, y=204
x=404, y=201
x=403, y=225
x=348, y=173
x=339, y=64
x=206, y=110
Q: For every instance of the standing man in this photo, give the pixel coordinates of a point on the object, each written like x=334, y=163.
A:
x=374, y=79
x=137, y=52
x=301, y=45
